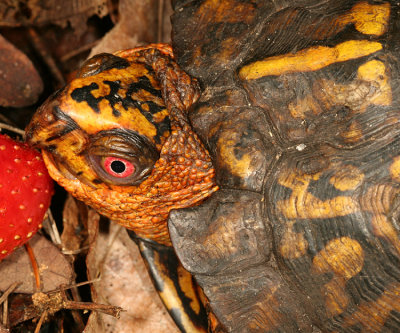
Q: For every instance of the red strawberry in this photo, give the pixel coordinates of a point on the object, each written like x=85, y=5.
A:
x=25, y=193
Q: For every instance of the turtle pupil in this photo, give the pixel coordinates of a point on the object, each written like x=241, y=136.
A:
x=118, y=166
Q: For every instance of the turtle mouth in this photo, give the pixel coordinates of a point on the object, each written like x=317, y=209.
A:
x=41, y=137
x=58, y=136
x=53, y=163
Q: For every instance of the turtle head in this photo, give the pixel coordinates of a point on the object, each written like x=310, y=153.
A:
x=117, y=137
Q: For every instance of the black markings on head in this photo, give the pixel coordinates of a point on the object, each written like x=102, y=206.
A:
x=51, y=148
x=84, y=94
x=144, y=83
x=113, y=97
x=129, y=101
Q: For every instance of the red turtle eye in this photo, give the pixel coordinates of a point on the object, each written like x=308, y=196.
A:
x=118, y=167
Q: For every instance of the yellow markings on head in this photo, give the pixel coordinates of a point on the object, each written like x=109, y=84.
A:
x=92, y=123
x=370, y=19
x=311, y=59
x=347, y=178
x=159, y=116
x=344, y=257
x=114, y=115
x=303, y=205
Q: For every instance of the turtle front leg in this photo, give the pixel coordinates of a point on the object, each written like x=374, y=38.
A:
x=176, y=287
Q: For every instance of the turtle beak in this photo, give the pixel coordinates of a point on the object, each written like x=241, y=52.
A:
x=55, y=132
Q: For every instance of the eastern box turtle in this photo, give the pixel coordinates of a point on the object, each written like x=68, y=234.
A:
x=300, y=114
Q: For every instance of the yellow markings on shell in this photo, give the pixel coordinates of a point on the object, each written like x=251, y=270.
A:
x=372, y=315
x=370, y=19
x=226, y=49
x=293, y=245
x=379, y=200
x=371, y=87
x=375, y=71
x=383, y=228
x=353, y=133
x=221, y=11
x=303, y=205
x=347, y=178
x=336, y=299
x=310, y=59
x=300, y=107
x=344, y=257
x=395, y=169
x=239, y=167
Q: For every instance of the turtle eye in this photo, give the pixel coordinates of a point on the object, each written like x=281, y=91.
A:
x=121, y=157
x=118, y=167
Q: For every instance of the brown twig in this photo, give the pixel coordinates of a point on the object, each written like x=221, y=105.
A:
x=5, y=312
x=160, y=19
x=41, y=49
x=12, y=129
x=9, y=290
x=4, y=119
x=78, y=51
x=4, y=298
x=49, y=224
x=80, y=284
x=41, y=320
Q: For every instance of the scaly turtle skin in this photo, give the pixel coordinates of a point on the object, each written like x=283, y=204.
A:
x=117, y=137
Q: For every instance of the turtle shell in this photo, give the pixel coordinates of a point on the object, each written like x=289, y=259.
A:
x=300, y=112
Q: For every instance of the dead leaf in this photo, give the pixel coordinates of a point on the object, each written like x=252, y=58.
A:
x=27, y=12
x=55, y=269
x=74, y=235
x=138, y=24
x=20, y=83
x=124, y=281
